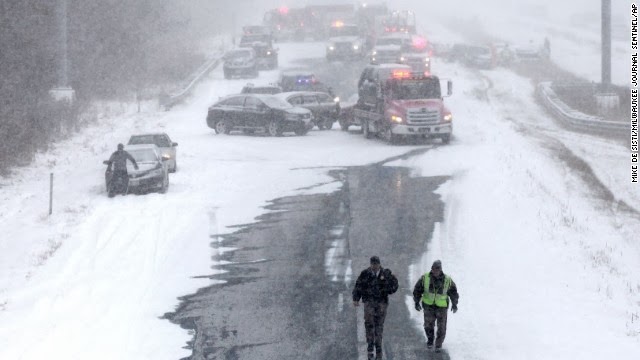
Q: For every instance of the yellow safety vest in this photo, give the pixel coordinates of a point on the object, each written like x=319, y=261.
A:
x=430, y=298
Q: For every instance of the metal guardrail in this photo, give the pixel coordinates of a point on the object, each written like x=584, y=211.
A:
x=575, y=118
x=168, y=101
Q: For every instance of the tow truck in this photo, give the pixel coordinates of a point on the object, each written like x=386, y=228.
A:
x=403, y=104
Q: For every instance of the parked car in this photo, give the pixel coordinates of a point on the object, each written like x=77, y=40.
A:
x=152, y=172
x=261, y=89
x=163, y=142
x=258, y=112
x=325, y=109
x=241, y=62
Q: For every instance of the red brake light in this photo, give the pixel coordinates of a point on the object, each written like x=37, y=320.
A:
x=283, y=10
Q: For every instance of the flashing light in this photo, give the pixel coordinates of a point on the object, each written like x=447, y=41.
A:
x=283, y=10
x=419, y=42
x=401, y=74
x=338, y=23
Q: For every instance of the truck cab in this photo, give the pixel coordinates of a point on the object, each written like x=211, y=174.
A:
x=400, y=103
x=345, y=42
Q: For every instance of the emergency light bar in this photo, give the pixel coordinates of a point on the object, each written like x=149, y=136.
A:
x=407, y=74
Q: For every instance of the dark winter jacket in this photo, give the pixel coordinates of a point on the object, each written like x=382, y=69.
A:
x=119, y=161
x=436, y=285
x=375, y=289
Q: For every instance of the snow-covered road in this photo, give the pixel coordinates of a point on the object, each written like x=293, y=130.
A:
x=546, y=262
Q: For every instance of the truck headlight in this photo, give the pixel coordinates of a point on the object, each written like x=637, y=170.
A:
x=268, y=52
x=402, y=59
x=331, y=48
x=448, y=117
x=356, y=47
x=396, y=119
x=336, y=99
x=374, y=52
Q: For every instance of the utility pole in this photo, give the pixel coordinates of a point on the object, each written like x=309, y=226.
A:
x=63, y=92
x=606, y=99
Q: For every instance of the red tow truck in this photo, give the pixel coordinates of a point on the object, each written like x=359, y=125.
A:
x=395, y=102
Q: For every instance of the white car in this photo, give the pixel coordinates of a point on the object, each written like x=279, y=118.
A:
x=163, y=142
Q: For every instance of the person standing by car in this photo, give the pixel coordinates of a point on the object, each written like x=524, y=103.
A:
x=431, y=294
x=373, y=286
x=119, y=162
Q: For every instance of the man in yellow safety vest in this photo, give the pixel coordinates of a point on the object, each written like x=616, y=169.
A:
x=432, y=293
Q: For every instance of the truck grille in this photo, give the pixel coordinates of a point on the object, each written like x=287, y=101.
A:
x=343, y=46
x=387, y=57
x=423, y=116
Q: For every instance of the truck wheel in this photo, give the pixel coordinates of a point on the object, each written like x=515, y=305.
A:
x=343, y=125
x=446, y=139
x=365, y=129
x=390, y=136
x=320, y=125
x=301, y=131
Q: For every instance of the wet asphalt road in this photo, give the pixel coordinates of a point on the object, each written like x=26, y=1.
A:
x=288, y=283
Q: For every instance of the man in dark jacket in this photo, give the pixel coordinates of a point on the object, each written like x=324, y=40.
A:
x=119, y=162
x=432, y=293
x=373, y=286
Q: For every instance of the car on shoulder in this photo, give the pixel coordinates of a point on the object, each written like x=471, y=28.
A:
x=153, y=169
x=324, y=107
x=261, y=89
x=167, y=147
x=240, y=62
x=251, y=113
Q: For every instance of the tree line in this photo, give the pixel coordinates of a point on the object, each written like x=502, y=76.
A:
x=116, y=49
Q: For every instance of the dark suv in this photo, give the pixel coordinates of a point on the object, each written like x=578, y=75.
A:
x=257, y=112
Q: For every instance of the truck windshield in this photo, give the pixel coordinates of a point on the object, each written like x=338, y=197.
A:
x=337, y=31
x=416, y=89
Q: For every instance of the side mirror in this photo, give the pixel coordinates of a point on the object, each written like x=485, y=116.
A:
x=449, y=88
x=174, y=144
x=106, y=162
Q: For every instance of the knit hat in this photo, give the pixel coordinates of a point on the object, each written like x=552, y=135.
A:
x=374, y=260
x=437, y=265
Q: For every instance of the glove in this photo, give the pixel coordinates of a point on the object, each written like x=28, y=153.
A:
x=454, y=308
x=418, y=307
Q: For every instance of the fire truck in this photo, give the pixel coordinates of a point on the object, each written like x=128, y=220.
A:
x=400, y=21
x=395, y=102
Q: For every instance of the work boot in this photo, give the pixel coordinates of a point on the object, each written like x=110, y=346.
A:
x=438, y=349
x=370, y=356
x=379, y=356
x=429, y=343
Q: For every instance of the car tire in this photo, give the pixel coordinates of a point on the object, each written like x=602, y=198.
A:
x=320, y=125
x=274, y=128
x=328, y=123
x=222, y=127
x=165, y=185
x=227, y=75
x=365, y=129
x=301, y=131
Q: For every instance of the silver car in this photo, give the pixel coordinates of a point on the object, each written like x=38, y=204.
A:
x=163, y=142
x=153, y=169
